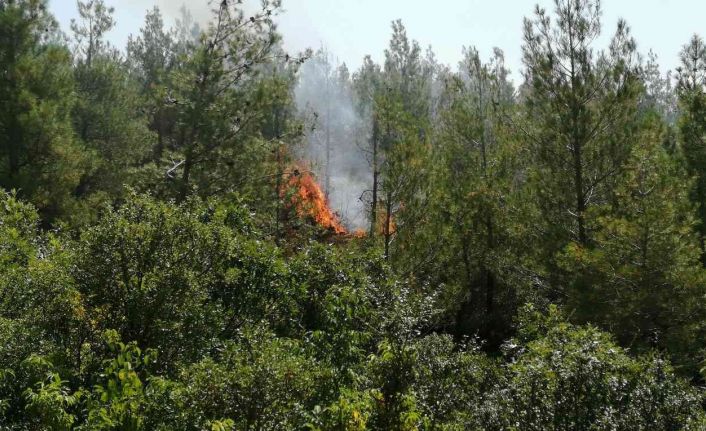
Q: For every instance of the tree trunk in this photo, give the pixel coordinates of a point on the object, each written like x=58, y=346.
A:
x=578, y=185
x=374, y=203
x=388, y=223
x=489, y=276
x=186, y=175
x=577, y=143
x=702, y=220
x=159, y=128
x=327, y=184
x=279, y=210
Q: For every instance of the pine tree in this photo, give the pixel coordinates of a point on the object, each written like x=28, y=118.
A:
x=152, y=57
x=223, y=101
x=402, y=105
x=367, y=83
x=406, y=76
x=109, y=116
x=692, y=124
x=642, y=279
x=473, y=183
x=581, y=106
x=38, y=154
x=659, y=94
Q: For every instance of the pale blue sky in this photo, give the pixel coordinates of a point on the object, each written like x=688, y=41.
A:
x=354, y=28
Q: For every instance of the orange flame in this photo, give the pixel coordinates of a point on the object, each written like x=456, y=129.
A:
x=359, y=233
x=309, y=201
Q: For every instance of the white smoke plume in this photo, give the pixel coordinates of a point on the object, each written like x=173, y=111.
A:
x=334, y=136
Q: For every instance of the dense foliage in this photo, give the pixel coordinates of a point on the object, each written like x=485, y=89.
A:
x=526, y=258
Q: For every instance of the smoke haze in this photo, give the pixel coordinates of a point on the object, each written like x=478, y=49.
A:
x=325, y=103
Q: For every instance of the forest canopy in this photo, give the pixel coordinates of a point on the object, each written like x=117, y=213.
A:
x=203, y=231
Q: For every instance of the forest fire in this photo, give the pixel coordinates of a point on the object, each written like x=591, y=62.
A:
x=310, y=201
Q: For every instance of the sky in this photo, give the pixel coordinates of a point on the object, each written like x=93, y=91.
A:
x=351, y=29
